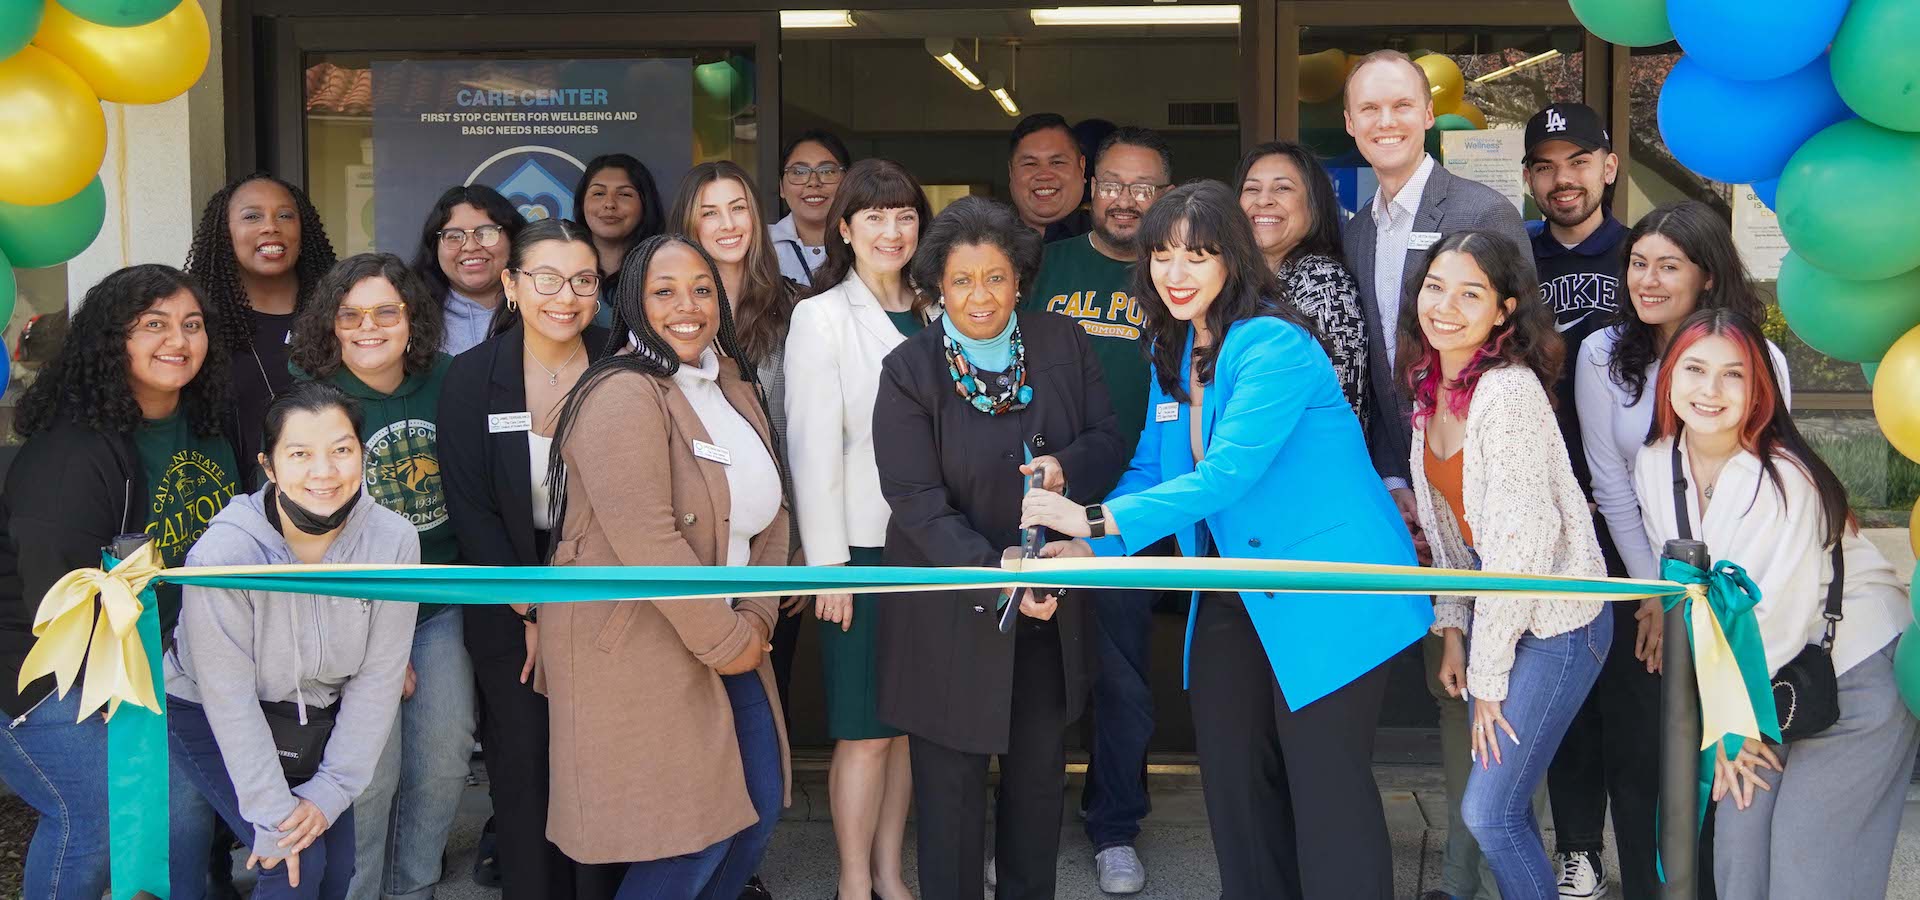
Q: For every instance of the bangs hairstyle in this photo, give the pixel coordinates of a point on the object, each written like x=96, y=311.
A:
x=211, y=262
x=975, y=221
x=869, y=184
x=1766, y=427
x=1707, y=241
x=651, y=356
x=545, y=231
x=1201, y=216
x=764, y=303
x=1323, y=236
x=87, y=381
x=1527, y=338
x=651, y=222
x=426, y=258
x=315, y=348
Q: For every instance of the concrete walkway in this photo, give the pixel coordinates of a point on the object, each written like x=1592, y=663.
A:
x=1176, y=845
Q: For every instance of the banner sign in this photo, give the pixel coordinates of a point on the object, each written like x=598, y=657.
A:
x=526, y=128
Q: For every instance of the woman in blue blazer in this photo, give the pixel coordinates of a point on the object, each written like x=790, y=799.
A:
x=1252, y=452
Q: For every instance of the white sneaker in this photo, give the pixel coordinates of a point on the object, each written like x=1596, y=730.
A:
x=1119, y=870
x=1581, y=876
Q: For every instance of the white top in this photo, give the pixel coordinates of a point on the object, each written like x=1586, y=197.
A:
x=798, y=261
x=753, y=481
x=1614, y=427
x=539, y=453
x=1393, y=232
x=1527, y=514
x=834, y=348
x=1776, y=534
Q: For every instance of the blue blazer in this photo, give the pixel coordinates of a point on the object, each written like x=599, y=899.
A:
x=1285, y=475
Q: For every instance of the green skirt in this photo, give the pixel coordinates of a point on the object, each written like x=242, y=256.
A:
x=847, y=662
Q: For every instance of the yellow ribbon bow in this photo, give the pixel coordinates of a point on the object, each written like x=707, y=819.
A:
x=69, y=632
x=1724, y=706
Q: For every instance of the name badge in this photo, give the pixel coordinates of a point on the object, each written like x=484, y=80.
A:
x=503, y=423
x=1166, y=412
x=718, y=454
x=1421, y=240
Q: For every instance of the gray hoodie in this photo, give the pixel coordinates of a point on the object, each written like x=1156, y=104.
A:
x=237, y=649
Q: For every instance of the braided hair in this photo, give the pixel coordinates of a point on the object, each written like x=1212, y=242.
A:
x=651, y=356
x=211, y=262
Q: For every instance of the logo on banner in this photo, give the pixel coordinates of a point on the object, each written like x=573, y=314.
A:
x=538, y=181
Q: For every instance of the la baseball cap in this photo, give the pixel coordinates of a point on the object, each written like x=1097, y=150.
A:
x=1575, y=123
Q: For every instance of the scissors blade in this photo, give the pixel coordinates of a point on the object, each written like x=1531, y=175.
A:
x=1031, y=540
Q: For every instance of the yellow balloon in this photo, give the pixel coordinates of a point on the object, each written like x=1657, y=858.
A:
x=1896, y=395
x=1913, y=529
x=56, y=135
x=1449, y=87
x=1322, y=76
x=1471, y=113
x=150, y=63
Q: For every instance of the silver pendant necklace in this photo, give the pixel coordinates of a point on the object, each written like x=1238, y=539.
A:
x=553, y=377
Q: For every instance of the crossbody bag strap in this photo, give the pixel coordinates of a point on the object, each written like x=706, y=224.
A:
x=1834, y=589
x=1681, y=520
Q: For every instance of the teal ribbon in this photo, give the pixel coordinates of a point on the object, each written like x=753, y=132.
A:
x=1731, y=597
x=137, y=778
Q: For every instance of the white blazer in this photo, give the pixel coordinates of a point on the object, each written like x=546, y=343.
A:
x=834, y=347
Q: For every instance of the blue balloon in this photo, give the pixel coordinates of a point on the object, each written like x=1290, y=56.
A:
x=1755, y=40
x=1766, y=191
x=1742, y=132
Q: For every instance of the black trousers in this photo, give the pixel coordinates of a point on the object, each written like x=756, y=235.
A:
x=513, y=728
x=1612, y=753
x=786, y=643
x=950, y=792
x=1290, y=794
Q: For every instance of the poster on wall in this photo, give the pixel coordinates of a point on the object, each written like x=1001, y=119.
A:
x=526, y=128
x=1756, y=234
x=1491, y=157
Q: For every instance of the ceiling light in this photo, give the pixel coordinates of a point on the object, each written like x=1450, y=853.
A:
x=1138, y=15
x=1003, y=95
x=816, y=18
x=942, y=50
x=1498, y=74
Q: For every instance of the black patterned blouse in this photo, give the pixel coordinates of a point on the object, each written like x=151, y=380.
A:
x=1323, y=289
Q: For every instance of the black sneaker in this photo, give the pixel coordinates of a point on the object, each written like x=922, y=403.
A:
x=486, y=861
x=755, y=890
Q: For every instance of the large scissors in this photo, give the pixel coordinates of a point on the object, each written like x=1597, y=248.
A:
x=1031, y=540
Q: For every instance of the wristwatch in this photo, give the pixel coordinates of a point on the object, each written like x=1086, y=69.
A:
x=1096, y=521
x=532, y=615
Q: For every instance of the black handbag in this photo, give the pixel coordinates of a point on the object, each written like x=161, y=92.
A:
x=299, y=745
x=1806, y=693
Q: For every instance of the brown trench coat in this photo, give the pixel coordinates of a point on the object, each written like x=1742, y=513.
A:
x=644, y=759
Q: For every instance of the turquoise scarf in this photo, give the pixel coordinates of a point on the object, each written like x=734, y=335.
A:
x=994, y=354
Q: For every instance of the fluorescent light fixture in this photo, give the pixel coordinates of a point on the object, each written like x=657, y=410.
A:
x=1182, y=14
x=816, y=18
x=1005, y=100
x=942, y=51
x=1498, y=74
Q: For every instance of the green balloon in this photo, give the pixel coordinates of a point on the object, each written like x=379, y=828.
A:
x=1906, y=667
x=1844, y=202
x=1869, y=370
x=1874, y=63
x=19, y=19
x=1453, y=122
x=38, y=236
x=120, y=13
x=1845, y=319
x=1629, y=23
x=9, y=289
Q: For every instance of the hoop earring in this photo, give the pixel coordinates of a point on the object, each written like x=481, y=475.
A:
x=512, y=306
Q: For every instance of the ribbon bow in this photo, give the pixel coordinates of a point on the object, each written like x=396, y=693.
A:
x=1729, y=660
x=69, y=631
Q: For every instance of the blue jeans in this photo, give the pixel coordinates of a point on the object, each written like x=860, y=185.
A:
x=60, y=769
x=1115, y=799
x=190, y=821
x=1548, y=683
x=721, y=870
x=407, y=810
x=326, y=866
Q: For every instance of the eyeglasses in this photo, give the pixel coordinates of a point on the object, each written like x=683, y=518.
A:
x=549, y=283
x=829, y=173
x=386, y=315
x=485, y=235
x=1142, y=193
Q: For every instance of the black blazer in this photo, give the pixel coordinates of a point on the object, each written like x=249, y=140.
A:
x=951, y=475
x=489, y=490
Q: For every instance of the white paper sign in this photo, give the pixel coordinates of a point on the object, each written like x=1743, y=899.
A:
x=1756, y=234
x=1491, y=157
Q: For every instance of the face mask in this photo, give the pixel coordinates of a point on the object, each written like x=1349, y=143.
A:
x=304, y=519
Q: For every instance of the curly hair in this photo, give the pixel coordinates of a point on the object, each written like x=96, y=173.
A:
x=1706, y=239
x=211, y=261
x=1527, y=338
x=315, y=348
x=977, y=221
x=87, y=382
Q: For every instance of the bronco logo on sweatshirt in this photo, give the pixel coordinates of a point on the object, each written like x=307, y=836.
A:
x=403, y=472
